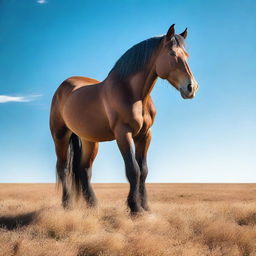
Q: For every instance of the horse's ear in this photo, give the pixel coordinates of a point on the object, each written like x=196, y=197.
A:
x=171, y=32
x=184, y=33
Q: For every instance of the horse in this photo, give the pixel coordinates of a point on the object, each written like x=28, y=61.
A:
x=85, y=111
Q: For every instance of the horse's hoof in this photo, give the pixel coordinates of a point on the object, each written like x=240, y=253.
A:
x=137, y=212
x=92, y=203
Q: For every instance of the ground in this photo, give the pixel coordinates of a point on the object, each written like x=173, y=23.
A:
x=185, y=219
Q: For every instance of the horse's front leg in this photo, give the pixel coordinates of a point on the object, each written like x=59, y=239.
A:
x=124, y=140
x=142, y=143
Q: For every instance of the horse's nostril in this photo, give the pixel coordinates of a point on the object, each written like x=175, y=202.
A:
x=189, y=87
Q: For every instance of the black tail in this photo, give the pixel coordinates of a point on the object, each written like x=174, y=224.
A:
x=74, y=157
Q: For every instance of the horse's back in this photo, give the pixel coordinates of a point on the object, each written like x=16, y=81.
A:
x=80, y=81
x=68, y=86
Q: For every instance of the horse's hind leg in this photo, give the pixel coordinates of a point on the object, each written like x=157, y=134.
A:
x=61, y=147
x=61, y=137
x=89, y=152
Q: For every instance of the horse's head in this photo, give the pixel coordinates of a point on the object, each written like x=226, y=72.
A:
x=172, y=64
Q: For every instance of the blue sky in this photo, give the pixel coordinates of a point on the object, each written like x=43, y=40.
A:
x=211, y=138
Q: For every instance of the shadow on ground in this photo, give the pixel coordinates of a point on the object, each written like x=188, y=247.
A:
x=17, y=221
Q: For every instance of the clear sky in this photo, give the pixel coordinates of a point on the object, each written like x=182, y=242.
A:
x=211, y=138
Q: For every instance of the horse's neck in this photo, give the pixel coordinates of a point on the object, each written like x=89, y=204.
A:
x=149, y=83
x=142, y=83
x=139, y=84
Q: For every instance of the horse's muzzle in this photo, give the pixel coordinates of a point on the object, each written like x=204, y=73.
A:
x=189, y=92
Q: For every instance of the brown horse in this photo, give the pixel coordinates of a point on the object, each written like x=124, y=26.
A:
x=85, y=112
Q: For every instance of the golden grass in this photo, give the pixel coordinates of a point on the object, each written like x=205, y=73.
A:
x=185, y=219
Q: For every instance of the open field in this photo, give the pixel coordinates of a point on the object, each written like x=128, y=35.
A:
x=185, y=219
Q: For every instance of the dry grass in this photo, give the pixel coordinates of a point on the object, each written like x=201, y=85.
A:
x=186, y=219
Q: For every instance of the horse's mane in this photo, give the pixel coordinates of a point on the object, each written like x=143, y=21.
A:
x=135, y=59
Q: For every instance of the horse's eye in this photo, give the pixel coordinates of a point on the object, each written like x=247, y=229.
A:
x=172, y=53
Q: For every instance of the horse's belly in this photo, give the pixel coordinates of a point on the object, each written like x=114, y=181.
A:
x=89, y=127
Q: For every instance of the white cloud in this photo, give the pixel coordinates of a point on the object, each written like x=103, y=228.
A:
x=6, y=98
x=41, y=1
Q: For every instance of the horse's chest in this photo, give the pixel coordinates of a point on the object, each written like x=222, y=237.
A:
x=140, y=121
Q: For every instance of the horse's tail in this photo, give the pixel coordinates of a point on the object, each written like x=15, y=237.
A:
x=74, y=156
